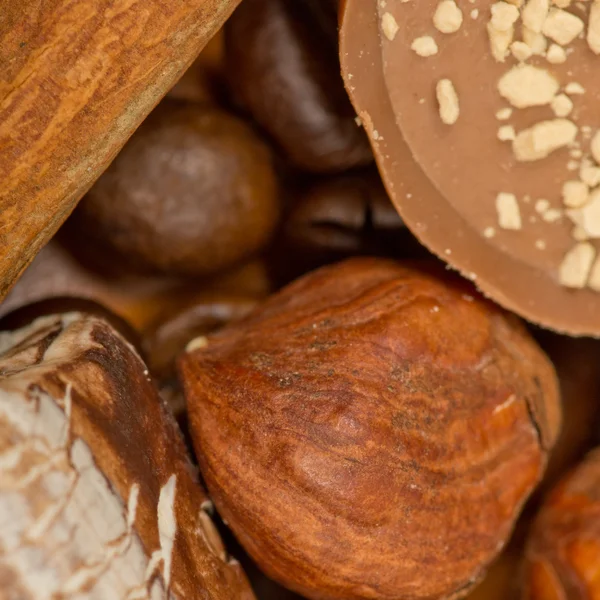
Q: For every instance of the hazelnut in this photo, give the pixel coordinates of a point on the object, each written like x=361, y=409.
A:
x=562, y=559
x=284, y=68
x=97, y=495
x=372, y=431
x=192, y=192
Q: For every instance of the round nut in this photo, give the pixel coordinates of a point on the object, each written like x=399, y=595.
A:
x=563, y=552
x=356, y=419
x=192, y=192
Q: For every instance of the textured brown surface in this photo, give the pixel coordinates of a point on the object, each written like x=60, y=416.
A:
x=142, y=301
x=77, y=79
x=415, y=152
x=283, y=66
x=372, y=431
x=168, y=336
x=563, y=554
x=97, y=495
x=191, y=193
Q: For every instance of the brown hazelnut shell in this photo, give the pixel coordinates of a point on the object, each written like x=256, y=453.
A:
x=348, y=427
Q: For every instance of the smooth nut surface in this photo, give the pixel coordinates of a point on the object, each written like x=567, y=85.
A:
x=357, y=418
x=284, y=68
x=192, y=192
x=563, y=553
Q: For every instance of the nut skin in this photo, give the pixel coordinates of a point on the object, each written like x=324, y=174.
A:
x=285, y=71
x=193, y=192
x=355, y=420
x=562, y=559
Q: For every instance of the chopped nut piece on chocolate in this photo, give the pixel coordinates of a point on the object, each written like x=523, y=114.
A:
x=509, y=215
x=389, y=26
x=425, y=46
x=448, y=102
x=447, y=17
x=525, y=85
x=576, y=265
x=561, y=26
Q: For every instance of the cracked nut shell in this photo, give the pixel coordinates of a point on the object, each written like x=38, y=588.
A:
x=373, y=430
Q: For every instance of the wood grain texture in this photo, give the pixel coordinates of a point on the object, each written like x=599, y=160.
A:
x=76, y=78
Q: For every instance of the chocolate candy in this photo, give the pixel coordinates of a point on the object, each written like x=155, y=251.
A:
x=482, y=120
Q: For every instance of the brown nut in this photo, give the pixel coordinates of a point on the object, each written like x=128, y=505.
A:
x=283, y=60
x=563, y=553
x=192, y=192
x=349, y=427
x=97, y=495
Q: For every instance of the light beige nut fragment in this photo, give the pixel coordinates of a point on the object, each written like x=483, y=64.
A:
x=575, y=267
x=534, y=14
x=504, y=16
x=561, y=105
x=562, y=26
x=447, y=17
x=500, y=42
x=535, y=40
x=574, y=88
x=579, y=234
x=556, y=54
x=526, y=85
x=562, y=3
x=594, y=279
x=506, y=133
x=590, y=174
x=509, y=214
x=552, y=215
x=424, y=46
x=542, y=205
x=389, y=26
x=593, y=34
x=504, y=114
x=595, y=147
x=588, y=216
x=575, y=194
x=521, y=51
x=542, y=139
x=448, y=102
